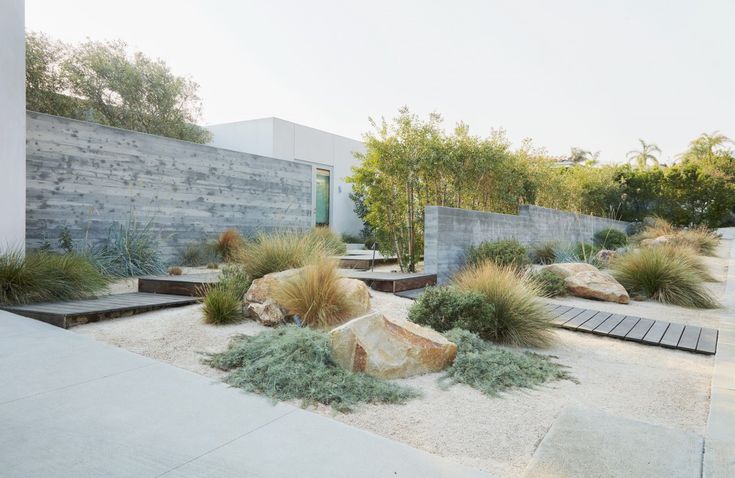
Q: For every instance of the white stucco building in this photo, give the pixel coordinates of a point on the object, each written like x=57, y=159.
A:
x=12, y=124
x=331, y=157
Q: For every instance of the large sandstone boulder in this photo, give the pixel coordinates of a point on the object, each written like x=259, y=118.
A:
x=262, y=289
x=566, y=269
x=596, y=285
x=358, y=291
x=390, y=348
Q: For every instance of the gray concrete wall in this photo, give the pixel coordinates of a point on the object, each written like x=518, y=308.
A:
x=12, y=124
x=87, y=176
x=449, y=232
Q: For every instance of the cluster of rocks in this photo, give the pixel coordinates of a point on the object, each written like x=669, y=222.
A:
x=370, y=343
x=587, y=281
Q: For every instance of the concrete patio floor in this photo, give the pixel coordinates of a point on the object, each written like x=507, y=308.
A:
x=74, y=407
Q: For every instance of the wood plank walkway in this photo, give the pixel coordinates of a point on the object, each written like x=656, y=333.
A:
x=690, y=338
x=392, y=281
x=186, y=284
x=70, y=313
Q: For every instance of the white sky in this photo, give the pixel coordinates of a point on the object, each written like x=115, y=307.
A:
x=589, y=73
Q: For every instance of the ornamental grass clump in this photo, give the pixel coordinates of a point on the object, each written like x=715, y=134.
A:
x=40, y=276
x=703, y=240
x=223, y=301
x=278, y=251
x=654, y=227
x=227, y=244
x=492, y=369
x=130, y=250
x=295, y=363
x=322, y=238
x=315, y=295
x=519, y=318
x=544, y=253
x=666, y=274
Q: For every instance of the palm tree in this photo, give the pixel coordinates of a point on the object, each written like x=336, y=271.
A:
x=706, y=146
x=640, y=158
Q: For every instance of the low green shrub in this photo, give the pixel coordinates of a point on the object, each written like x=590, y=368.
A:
x=352, y=238
x=665, y=274
x=550, y=284
x=610, y=238
x=586, y=251
x=544, y=253
x=502, y=253
x=295, y=363
x=519, y=318
x=444, y=308
x=492, y=369
x=130, y=250
x=40, y=276
x=223, y=301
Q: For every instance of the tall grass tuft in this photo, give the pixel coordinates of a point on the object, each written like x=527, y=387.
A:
x=665, y=274
x=315, y=296
x=295, y=363
x=702, y=239
x=45, y=276
x=227, y=244
x=544, y=253
x=323, y=238
x=223, y=301
x=131, y=250
x=200, y=254
x=492, y=369
x=654, y=227
x=519, y=318
x=278, y=251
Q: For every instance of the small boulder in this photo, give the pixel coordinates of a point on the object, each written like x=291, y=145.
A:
x=358, y=291
x=390, y=348
x=566, y=269
x=269, y=313
x=596, y=285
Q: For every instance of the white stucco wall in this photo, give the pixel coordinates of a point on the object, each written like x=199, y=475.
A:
x=12, y=124
x=282, y=139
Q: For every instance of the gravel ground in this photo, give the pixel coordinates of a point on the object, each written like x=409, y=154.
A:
x=500, y=434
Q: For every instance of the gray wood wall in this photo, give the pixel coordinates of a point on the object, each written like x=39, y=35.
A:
x=87, y=176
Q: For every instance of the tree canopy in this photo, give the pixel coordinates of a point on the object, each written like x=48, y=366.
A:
x=103, y=83
x=411, y=163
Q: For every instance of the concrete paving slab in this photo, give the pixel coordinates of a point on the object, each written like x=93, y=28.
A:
x=73, y=407
x=587, y=443
x=304, y=441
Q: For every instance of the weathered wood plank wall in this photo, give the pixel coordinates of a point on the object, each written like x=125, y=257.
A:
x=87, y=176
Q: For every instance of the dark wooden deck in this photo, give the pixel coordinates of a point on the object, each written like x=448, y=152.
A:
x=690, y=338
x=70, y=313
x=187, y=284
x=392, y=281
x=363, y=260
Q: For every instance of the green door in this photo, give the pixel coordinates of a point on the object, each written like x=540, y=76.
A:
x=322, y=197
